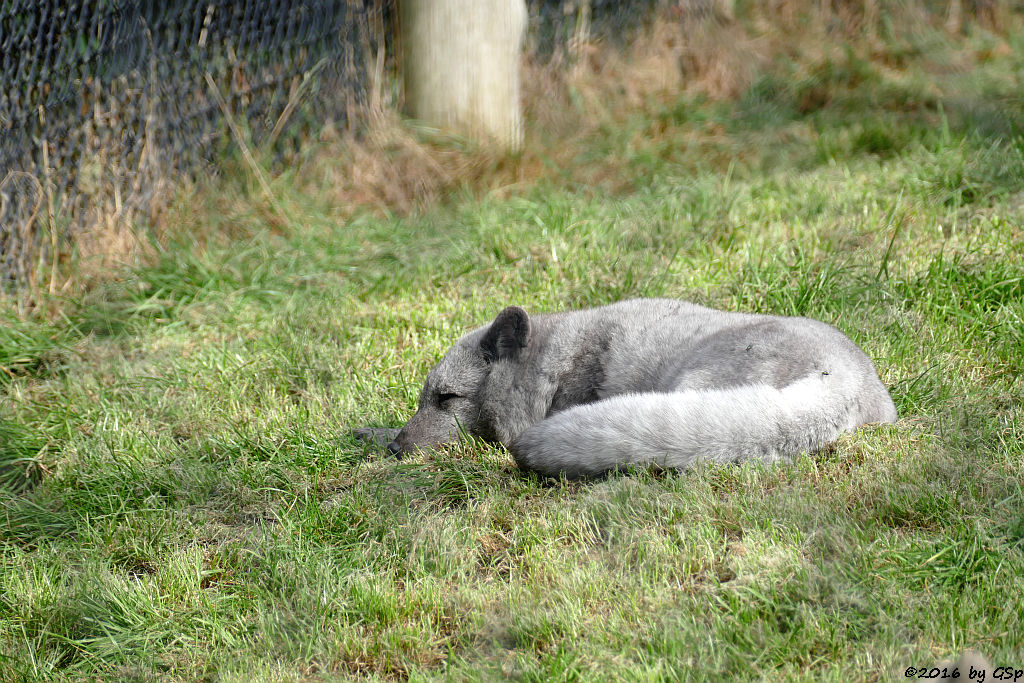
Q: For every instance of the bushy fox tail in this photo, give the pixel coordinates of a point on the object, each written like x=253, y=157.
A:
x=677, y=430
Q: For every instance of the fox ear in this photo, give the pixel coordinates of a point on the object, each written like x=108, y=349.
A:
x=509, y=333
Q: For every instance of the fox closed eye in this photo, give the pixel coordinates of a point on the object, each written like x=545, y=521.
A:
x=443, y=399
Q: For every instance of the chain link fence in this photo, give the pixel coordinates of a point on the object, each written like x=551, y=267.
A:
x=105, y=105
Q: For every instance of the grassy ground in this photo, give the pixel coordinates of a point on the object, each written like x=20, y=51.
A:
x=182, y=497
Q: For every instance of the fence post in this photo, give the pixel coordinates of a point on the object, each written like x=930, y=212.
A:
x=461, y=62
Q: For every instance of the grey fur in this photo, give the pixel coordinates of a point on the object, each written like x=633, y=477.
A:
x=647, y=382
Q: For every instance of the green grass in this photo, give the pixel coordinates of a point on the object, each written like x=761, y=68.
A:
x=182, y=498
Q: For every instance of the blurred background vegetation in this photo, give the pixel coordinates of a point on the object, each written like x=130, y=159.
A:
x=103, y=133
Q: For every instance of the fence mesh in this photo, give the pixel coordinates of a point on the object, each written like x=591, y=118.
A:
x=106, y=104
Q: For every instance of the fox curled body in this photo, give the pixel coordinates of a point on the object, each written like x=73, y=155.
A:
x=645, y=382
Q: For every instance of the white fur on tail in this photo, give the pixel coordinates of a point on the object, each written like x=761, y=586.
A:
x=675, y=430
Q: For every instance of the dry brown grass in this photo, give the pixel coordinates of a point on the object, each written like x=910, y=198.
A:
x=392, y=166
x=80, y=217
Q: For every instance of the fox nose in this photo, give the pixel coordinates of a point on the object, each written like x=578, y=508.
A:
x=395, y=449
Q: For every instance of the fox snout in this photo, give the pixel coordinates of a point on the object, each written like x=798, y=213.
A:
x=425, y=429
x=404, y=444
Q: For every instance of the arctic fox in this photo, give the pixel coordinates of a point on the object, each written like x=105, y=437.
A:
x=645, y=382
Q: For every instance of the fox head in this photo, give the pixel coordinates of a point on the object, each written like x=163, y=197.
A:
x=474, y=388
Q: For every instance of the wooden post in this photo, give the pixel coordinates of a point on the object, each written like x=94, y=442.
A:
x=461, y=62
